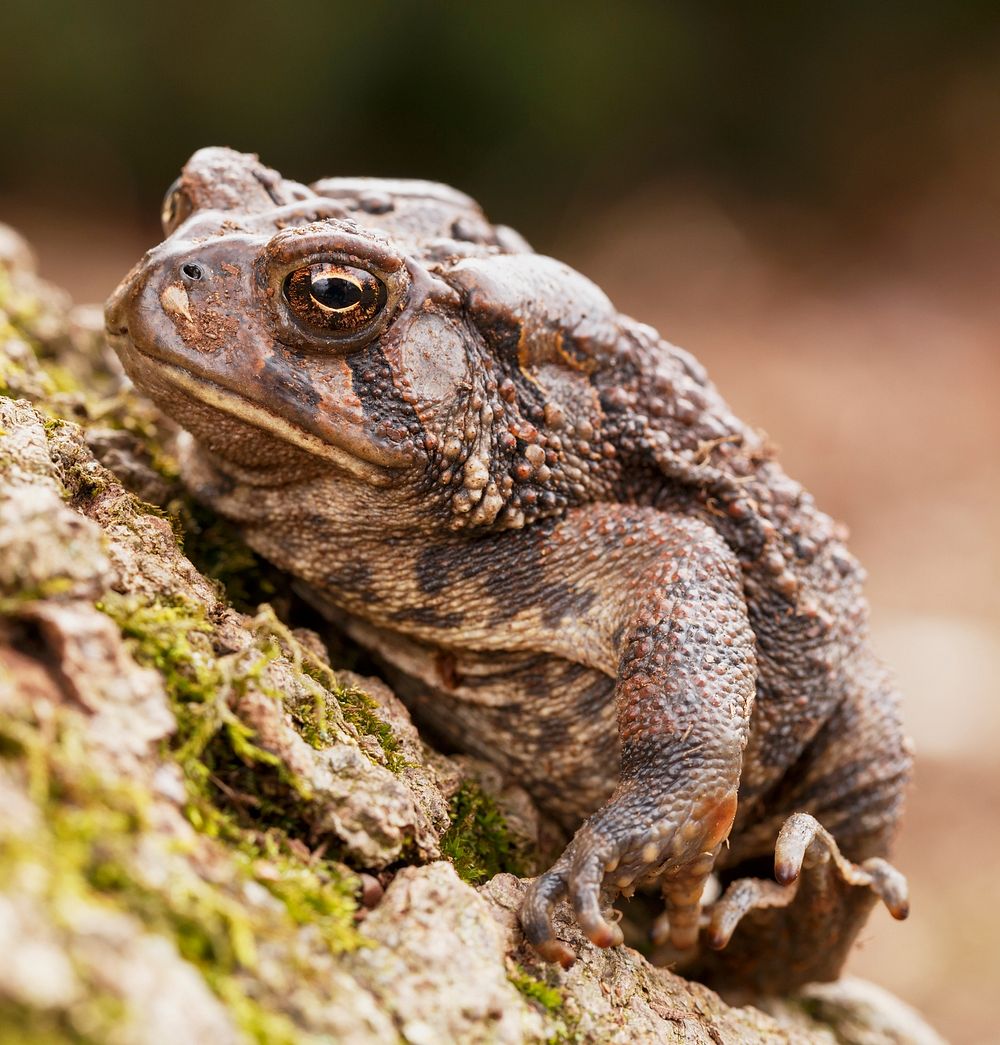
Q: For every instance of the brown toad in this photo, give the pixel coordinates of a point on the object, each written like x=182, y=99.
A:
x=547, y=520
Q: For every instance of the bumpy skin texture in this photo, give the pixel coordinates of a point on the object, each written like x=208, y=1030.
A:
x=544, y=518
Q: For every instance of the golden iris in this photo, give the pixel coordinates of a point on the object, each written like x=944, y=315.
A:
x=334, y=299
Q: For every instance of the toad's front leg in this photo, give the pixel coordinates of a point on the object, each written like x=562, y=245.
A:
x=685, y=688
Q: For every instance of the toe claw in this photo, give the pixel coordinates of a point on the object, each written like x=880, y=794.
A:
x=605, y=935
x=794, y=838
x=890, y=886
x=743, y=896
x=536, y=917
x=587, y=875
x=785, y=874
x=555, y=951
x=717, y=940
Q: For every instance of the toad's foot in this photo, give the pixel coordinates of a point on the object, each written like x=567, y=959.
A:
x=632, y=840
x=805, y=857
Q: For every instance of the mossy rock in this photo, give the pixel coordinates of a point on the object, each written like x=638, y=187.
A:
x=210, y=832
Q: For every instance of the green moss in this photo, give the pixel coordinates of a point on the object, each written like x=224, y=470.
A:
x=50, y=588
x=24, y=1025
x=362, y=712
x=174, y=638
x=550, y=998
x=563, y=1028
x=212, y=744
x=565, y=1035
x=258, y=1023
x=62, y=380
x=86, y=850
x=87, y=481
x=37, y=378
x=19, y=305
x=20, y=382
x=478, y=841
x=332, y=703
x=237, y=791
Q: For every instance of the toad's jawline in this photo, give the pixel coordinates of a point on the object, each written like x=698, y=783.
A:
x=215, y=395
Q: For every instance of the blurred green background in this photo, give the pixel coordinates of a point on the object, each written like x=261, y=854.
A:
x=541, y=110
x=805, y=195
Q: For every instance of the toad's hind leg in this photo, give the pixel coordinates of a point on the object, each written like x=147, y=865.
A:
x=829, y=826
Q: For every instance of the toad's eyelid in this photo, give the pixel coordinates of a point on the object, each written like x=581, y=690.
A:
x=331, y=242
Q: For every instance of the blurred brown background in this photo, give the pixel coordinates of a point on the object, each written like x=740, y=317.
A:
x=808, y=199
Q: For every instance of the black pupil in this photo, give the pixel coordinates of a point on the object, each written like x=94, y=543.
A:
x=192, y=271
x=335, y=291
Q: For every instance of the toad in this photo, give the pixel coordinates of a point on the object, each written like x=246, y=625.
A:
x=546, y=520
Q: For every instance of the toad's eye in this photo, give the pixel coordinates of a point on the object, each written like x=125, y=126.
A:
x=334, y=299
x=176, y=207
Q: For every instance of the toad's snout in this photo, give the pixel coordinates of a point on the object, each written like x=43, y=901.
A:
x=115, y=309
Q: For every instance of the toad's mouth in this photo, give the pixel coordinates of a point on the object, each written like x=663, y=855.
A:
x=356, y=456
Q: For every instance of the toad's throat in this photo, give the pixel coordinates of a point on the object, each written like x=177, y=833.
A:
x=374, y=472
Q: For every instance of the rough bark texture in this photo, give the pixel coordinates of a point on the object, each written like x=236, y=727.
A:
x=207, y=832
